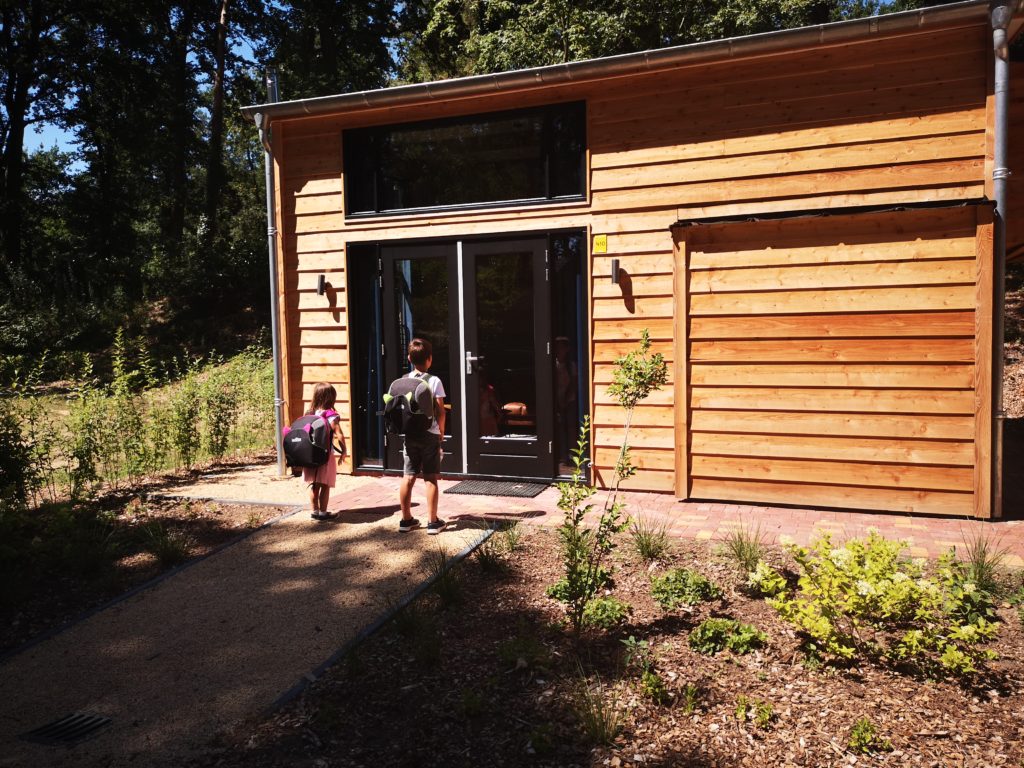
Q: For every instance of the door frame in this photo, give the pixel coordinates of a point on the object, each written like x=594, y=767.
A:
x=454, y=387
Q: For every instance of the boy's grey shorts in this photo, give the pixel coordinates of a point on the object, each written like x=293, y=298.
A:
x=422, y=455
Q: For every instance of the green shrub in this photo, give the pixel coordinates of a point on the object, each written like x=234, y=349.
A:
x=18, y=478
x=606, y=612
x=681, y=586
x=713, y=635
x=863, y=600
x=865, y=740
x=184, y=412
x=765, y=581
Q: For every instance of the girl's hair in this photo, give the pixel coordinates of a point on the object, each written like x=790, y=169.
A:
x=324, y=396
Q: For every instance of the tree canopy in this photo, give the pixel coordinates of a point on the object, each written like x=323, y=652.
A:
x=154, y=218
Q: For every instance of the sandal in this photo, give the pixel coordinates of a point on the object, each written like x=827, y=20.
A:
x=318, y=515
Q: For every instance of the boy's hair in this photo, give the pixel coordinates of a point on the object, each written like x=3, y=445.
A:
x=324, y=396
x=420, y=351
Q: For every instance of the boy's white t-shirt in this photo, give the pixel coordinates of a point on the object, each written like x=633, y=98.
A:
x=436, y=389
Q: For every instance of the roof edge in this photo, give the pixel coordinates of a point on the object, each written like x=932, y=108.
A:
x=633, y=63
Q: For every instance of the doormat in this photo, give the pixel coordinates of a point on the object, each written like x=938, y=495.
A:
x=497, y=488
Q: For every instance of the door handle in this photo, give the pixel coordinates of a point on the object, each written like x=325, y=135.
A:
x=470, y=359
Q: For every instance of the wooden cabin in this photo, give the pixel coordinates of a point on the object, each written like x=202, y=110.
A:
x=801, y=219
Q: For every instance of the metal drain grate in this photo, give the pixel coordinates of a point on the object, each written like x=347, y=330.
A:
x=68, y=730
x=497, y=488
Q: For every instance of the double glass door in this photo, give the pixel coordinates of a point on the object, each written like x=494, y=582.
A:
x=485, y=307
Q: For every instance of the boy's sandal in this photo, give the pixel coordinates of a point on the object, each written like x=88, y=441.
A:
x=324, y=515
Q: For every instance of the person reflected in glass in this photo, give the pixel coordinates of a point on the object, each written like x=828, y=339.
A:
x=490, y=407
x=566, y=415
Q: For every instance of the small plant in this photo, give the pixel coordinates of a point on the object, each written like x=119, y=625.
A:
x=713, y=635
x=597, y=710
x=983, y=556
x=865, y=740
x=761, y=712
x=254, y=519
x=606, y=612
x=650, y=538
x=410, y=620
x=745, y=546
x=765, y=581
x=681, y=586
x=764, y=715
x=169, y=547
x=472, y=703
x=1017, y=601
x=638, y=654
x=743, y=705
x=513, y=537
x=447, y=584
x=489, y=555
x=524, y=651
x=690, y=698
x=653, y=687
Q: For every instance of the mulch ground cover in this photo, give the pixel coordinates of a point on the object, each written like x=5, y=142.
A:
x=496, y=679
x=63, y=560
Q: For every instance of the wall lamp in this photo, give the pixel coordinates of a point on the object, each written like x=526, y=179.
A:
x=615, y=271
x=321, y=285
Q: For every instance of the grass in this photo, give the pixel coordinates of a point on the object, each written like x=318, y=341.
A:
x=169, y=547
x=596, y=709
x=649, y=538
x=447, y=584
x=745, y=546
x=984, y=557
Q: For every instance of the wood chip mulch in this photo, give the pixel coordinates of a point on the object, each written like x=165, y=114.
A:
x=495, y=681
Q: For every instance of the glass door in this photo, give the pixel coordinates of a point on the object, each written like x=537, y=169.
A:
x=420, y=287
x=506, y=365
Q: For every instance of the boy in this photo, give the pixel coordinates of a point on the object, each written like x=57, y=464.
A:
x=423, y=453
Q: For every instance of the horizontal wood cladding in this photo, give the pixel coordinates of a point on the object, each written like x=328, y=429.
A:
x=833, y=380
x=874, y=324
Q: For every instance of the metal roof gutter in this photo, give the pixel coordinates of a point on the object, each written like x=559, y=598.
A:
x=636, y=63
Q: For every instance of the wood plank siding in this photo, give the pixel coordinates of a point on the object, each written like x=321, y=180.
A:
x=860, y=355
x=867, y=404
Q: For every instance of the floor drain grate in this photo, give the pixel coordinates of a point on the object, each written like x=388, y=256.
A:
x=68, y=730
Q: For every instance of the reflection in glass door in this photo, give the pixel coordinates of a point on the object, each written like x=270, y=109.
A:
x=507, y=359
x=419, y=294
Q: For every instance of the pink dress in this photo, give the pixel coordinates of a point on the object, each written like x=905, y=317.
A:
x=325, y=474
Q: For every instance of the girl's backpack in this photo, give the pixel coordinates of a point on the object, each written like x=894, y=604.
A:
x=307, y=442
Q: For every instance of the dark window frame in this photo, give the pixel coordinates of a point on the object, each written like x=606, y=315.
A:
x=548, y=111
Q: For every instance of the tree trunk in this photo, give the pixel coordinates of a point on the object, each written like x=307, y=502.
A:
x=180, y=125
x=21, y=58
x=215, y=165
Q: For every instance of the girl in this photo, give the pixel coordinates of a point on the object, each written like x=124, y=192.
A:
x=322, y=478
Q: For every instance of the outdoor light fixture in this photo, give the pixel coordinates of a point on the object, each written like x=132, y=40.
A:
x=615, y=271
x=321, y=285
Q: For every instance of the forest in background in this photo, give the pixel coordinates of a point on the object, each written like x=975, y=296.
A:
x=154, y=223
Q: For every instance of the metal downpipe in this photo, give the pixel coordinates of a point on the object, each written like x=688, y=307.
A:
x=1001, y=14
x=263, y=125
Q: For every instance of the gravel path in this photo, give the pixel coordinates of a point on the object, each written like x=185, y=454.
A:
x=220, y=640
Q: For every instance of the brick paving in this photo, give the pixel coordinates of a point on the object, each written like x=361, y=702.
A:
x=925, y=536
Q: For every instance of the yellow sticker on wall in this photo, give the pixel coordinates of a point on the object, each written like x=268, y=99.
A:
x=600, y=243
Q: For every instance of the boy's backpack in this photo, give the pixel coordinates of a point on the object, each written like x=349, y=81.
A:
x=307, y=442
x=409, y=406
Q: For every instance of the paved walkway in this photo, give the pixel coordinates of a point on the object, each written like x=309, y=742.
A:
x=224, y=638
